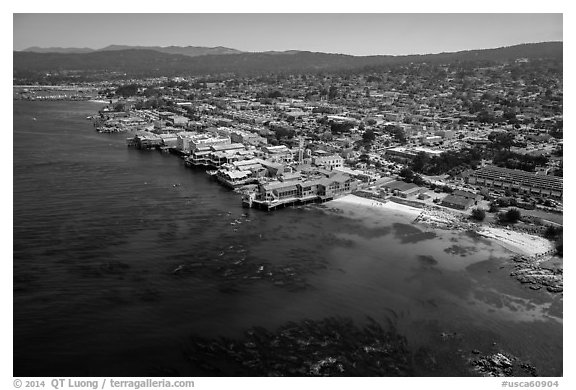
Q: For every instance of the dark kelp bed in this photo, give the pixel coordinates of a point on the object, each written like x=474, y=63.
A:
x=336, y=346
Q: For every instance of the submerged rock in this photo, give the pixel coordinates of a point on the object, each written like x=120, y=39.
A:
x=501, y=364
x=237, y=264
x=330, y=347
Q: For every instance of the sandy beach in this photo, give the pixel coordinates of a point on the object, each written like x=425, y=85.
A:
x=517, y=242
x=385, y=206
x=521, y=243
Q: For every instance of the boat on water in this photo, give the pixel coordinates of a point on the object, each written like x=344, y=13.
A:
x=212, y=172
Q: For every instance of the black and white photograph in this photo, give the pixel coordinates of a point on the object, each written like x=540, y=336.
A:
x=281, y=194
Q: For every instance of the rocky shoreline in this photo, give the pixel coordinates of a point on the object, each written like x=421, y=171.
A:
x=539, y=272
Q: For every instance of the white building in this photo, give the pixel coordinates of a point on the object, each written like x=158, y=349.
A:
x=329, y=162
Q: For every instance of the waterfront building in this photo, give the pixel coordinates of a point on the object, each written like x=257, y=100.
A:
x=183, y=140
x=191, y=141
x=274, y=168
x=233, y=178
x=218, y=155
x=280, y=153
x=277, y=191
x=294, y=190
x=401, y=188
x=254, y=165
x=200, y=156
x=169, y=140
x=145, y=140
x=245, y=137
x=336, y=185
x=206, y=140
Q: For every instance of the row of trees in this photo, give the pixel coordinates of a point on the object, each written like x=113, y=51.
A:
x=451, y=162
x=339, y=128
x=409, y=176
x=511, y=216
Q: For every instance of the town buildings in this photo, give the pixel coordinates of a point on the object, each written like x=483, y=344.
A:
x=272, y=132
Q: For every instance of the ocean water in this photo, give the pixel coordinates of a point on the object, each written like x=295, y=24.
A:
x=121, y=255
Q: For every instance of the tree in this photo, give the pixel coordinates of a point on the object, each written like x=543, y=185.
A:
x=478, y=214
x=501, y=140
x=119, y=106
x=275, y=94
x=127, y=90
x=553, y=232
x=418, y=180
x=484, y=117
x=338, y=128
x=559, y=247
x=368, y=136
x=511, y=216
x=151, y=91
x=407, y=174
x=282, y=132
x=420, y=162
x=510, y=117
x=332, y=93
x=476, y=106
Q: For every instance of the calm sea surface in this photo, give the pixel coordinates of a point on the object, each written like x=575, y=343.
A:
x=100, y=231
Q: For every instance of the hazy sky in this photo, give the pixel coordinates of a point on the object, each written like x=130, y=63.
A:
x=357, y=34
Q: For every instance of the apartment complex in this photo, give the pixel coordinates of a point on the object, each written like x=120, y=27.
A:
x=517, y=181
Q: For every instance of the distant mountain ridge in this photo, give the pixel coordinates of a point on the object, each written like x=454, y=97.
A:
x=36, y=49
x=191, y=51
x=150, y=62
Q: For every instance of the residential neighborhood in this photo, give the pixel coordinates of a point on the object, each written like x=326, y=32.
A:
x=494, y=130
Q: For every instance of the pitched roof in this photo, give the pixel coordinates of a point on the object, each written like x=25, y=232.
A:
x=400, y=185
x=456, y=200
x=466, y=194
